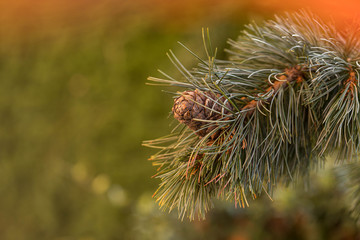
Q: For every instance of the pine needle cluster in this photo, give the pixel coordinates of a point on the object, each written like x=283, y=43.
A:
x=286, y=97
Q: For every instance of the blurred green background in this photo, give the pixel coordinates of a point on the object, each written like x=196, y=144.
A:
x=74, y=109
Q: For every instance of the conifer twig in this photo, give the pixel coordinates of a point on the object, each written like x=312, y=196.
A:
x=288, y=95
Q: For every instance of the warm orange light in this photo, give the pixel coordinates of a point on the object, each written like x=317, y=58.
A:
x=340, y=11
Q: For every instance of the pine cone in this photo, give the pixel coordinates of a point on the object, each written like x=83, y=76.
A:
x=197, y=105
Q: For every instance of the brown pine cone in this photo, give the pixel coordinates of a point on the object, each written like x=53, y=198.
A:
x=193, y=105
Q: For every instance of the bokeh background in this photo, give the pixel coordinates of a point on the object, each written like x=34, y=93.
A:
x=74, y=110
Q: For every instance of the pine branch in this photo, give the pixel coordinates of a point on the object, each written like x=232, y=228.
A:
x=287, y=96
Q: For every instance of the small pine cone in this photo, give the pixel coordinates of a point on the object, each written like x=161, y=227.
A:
x=193, y=105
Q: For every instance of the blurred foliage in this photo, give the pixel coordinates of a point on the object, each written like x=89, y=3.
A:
x=318, y=212
x=74, y=109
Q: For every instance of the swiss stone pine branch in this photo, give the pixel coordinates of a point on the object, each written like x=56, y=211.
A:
x=286, y=97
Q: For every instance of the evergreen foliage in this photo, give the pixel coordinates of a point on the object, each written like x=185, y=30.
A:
x=349, y=175
x=292, y=84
